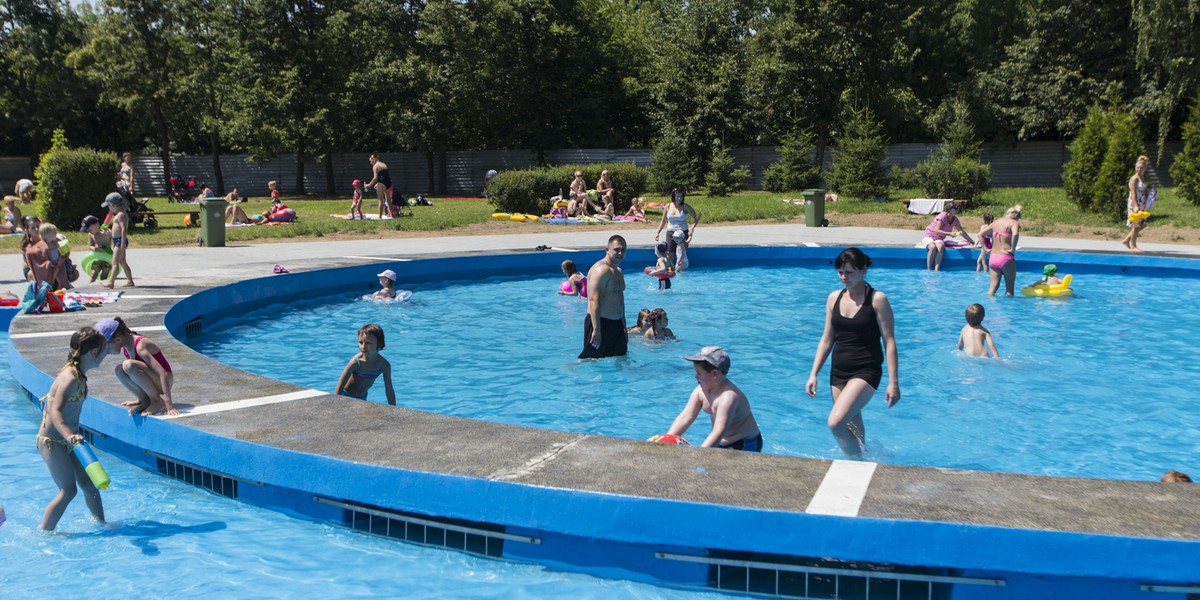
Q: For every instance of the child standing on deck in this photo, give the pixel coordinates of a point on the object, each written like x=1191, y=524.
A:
x=973, y=338
x=366, y=366
x=59, y=430
x=120, y=238
x=145, y=371
x=99, y=241
x=356, y=204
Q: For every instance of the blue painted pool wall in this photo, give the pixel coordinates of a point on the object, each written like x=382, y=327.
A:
x=572, y=520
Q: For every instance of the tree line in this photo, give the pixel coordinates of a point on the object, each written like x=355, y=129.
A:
x=319, y=77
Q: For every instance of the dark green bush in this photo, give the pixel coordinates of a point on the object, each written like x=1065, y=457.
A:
x=954, y=170
x=1087, y=152
x=858, y=170
x=530, y=191
x=946, y=177
x=1186, y=170
x=796, y=168
x=1111, y=191
x=671, y=165
x=72, y=182
x=724, y=176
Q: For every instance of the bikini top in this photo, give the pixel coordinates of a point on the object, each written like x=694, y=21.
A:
x=365, y=374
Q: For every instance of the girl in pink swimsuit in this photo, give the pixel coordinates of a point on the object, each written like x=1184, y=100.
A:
x=1001, y=259
x=145, y=371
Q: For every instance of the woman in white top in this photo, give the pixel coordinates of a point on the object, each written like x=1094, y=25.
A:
x=679, y=236
x=1138, y=193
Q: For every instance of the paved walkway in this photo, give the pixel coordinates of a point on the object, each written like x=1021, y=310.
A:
x=200, y=266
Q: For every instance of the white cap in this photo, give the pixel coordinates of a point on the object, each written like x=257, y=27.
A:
x=390, y=274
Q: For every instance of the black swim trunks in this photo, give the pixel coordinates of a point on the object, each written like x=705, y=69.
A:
x=614, y=341
x=753, y=444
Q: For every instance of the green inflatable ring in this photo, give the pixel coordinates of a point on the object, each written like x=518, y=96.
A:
x=95, y=256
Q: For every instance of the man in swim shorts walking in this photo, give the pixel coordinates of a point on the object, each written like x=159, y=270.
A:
x=604, y=327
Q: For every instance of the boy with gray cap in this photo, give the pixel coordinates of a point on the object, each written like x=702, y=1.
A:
x=733, y=425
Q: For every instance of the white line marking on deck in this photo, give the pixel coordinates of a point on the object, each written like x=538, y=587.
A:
x=537, y=462
x=812, y=244
x=563, y=249
x=248, y=403
x=45, y=334
x=155, y=296
x=842, y=491
x=380, y=258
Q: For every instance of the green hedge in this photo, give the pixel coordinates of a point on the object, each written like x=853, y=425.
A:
x=530, y=191
x=949, y=177
x=1186, y=169
x=73, y=183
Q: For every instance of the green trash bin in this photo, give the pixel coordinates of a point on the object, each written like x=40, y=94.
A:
x=814, y=208
x=212, y=222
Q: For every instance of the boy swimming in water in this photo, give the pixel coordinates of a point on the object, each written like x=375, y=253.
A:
x=973, y=338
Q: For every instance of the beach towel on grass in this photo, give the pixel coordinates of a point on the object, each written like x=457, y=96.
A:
x=366, y=216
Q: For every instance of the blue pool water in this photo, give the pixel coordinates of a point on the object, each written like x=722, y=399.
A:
x=1098, y=385
x=172, y=539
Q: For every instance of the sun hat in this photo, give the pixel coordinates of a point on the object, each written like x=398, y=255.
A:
x=106, y=327
x=1049, y=270
x=88, y=221
x=390, y=274
x=713, y=355
x=113, y=199
x=356, y=183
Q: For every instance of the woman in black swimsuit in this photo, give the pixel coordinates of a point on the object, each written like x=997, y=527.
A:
x=855, y=320
x=381, y=180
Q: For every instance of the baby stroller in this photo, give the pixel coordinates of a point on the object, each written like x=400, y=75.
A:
x=139, y=212
x=183, y=191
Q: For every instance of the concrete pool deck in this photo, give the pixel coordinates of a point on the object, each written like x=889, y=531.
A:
x=1133, y=530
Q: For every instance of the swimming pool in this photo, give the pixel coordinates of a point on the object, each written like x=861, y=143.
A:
x=503, y=349
x=171, y=538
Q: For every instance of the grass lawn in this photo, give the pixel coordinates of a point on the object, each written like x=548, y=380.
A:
x=1046, y=213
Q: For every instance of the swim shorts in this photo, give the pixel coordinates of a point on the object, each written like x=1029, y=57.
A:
x=614, y=341
x=753, y=444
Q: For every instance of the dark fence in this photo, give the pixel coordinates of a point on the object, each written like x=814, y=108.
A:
x=1032, y=164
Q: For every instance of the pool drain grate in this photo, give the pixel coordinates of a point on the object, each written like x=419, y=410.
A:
x=813, y=580
x=476, y=538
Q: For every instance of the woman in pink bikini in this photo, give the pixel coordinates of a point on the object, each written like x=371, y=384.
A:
x=1002, y=260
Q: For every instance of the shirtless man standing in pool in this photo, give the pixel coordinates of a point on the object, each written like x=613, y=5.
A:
x=604, y=331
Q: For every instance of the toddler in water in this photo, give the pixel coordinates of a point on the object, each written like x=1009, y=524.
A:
x=640, y=328
x=664, y=269
x=99, y=241
x=974, y=339
x=985, y=242
x=366, y=366
x=656, y=326
x=1049, y=276
x=576, y=282
x=387, y=279
x=356, y=204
